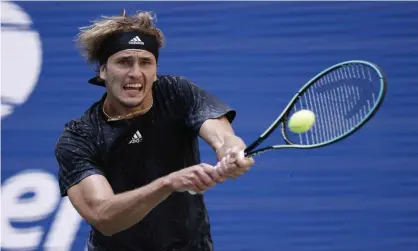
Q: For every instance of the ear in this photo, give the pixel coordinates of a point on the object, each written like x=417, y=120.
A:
x=103, y=72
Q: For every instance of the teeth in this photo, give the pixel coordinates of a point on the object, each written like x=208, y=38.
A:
x=134, y=85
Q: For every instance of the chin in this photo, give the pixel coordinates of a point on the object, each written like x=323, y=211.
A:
x=131, y=102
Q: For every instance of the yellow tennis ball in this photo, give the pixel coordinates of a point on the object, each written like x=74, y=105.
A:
x=301, y=121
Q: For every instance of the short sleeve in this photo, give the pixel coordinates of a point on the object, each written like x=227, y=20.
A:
x=201, y=105
x=76, y=155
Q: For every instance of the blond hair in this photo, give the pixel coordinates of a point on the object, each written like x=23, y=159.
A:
x=90, y=37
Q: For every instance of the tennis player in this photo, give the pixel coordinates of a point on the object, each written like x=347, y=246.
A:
x=128, y=161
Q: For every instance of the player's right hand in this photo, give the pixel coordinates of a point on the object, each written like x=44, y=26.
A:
x=197, y=178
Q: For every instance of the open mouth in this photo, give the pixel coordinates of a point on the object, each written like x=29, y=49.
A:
x=133, y=87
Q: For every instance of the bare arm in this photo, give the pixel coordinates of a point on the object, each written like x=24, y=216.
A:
x=216, y=131
x=109, y=213
x=95, y=201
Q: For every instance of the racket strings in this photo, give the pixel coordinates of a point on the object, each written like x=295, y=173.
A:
x=340, y=100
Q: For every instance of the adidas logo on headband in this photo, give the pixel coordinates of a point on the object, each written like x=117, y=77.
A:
x=136, y=40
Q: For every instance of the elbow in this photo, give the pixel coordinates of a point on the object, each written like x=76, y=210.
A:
x=110, y=226
x=104, y=226
x=102, y=221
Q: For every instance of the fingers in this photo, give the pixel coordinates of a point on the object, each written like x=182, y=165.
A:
x=240, y=159
x=244, y=162
x=214, y=174
x=234, y=164
x=191, y=186
x=198, y=182
x=204, y=173
x=235, y=153
x=226, y=166
x=204, y=177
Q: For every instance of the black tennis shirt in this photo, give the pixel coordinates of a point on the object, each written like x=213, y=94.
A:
x=132, y=153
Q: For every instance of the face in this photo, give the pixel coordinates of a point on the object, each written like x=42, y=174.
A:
x=129, y=75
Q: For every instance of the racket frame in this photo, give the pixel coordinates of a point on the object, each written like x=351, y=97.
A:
x=250, y=150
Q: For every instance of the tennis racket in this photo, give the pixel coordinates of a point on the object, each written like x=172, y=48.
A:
x=343, y=98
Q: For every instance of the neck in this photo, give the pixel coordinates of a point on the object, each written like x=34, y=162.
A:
x=114, y=109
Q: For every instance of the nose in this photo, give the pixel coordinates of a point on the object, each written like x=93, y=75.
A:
x=136, y=71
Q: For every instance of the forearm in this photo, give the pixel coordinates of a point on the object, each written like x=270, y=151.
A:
x=218, y=133
x=215, y=131
x=124, y=210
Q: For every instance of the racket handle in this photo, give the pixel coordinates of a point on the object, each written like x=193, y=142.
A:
x=216, y=166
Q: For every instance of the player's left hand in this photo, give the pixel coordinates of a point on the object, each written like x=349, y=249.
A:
x=232, y=162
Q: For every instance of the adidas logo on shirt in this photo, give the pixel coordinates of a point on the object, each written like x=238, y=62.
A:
x=136, y=138
x=136, y=40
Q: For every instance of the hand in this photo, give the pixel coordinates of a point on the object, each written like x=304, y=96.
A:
x=197, y=178
x=232, y=162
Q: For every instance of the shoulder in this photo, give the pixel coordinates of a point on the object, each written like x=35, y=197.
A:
x=174, y=90
x=169, y=79
x=82, y=130
x=177, y=82
x=178, y=88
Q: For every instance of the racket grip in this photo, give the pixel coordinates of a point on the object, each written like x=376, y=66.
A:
x=241, y=154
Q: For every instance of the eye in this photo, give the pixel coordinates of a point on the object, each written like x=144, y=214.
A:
x=145, y=62
x=123, y=61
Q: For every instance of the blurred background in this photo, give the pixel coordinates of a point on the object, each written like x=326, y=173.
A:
x=358, y=195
